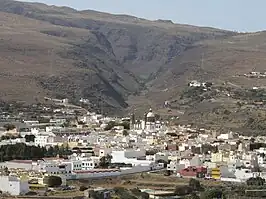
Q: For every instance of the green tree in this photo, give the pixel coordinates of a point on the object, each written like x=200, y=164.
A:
x=6, y=171
x=123, y=193
x=139, y=194
x=9, y=127
x=23, y=151
x=83, y=188
x=1, y=156
x=126, y=125
x=208, y=84
x=110, y=125
x=109, y=158
x=192, y=196
x=212, y=193
x=258, y=181
x=195, y=184
x=183, y=190
x=53, y=181
x=50, y=152
x=105, y=161
x=125, y=133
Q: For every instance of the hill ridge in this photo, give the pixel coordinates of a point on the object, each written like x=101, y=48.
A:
x=123, y=62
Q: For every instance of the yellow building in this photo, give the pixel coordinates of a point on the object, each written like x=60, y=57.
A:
x=216, y=173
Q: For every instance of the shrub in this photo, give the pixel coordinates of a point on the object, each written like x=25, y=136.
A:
x=31, y=193
x=195, y=185
x=53, y=181
x=258, y=181
x=9, y=127
x=183, y=190
x=83, y=188
x=212, y=193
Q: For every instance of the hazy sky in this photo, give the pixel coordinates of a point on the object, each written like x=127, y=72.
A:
x=239, y=15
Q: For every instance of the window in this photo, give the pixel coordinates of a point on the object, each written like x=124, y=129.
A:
x=62, y=167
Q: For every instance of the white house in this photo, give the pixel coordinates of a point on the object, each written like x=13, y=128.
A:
x=175, y=166
x=158, y=156
x=90, y=163
x=13, y=185
x=226, y=136
x=55, y=167
x=195, y=83
x=44, y=139
x=244, y=174
x=134, y=157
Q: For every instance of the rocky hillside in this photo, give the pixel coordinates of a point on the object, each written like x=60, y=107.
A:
x=115, y=61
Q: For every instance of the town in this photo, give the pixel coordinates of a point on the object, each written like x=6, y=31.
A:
x=53, y=144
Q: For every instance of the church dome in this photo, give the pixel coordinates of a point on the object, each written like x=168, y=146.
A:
x=150, y=114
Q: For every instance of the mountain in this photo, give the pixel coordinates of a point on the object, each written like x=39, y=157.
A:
x=118, y=62
x=63, y=52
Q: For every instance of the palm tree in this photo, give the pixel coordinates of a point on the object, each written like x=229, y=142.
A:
x=105, y=161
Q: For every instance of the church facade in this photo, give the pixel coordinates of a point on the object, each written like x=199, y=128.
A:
x=148, y=123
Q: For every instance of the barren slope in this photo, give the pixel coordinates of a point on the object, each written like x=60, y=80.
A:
x=217, y=61
x=58, y=51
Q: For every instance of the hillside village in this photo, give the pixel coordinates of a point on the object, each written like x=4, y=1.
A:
x=66, y=141
x=96, y=105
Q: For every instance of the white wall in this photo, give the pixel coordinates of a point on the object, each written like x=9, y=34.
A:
x=15, y=165
x=13, y=185
x=24, y=187
x=104, y=152
x=230, y=180
x=244, y=174
x=135, y=153
x=136, y=169
x=86, y=175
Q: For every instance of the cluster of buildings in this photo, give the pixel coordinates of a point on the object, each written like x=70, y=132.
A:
x=256, y=75
x=149, y=144
x=226, y=157
x=89, y=141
